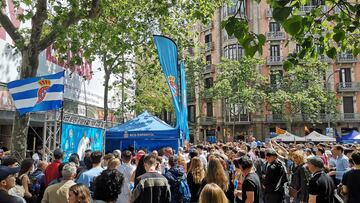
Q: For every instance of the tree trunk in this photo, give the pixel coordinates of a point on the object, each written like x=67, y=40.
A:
x=29, y=66
x=106, y=93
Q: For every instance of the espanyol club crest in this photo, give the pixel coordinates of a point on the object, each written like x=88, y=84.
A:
x=44, y=86
x=173, y=86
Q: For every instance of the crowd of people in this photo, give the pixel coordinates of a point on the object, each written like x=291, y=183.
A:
x=236, y=172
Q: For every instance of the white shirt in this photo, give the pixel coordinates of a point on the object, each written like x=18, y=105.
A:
x=127, y=170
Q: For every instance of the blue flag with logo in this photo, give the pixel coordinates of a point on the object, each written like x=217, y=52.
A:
x=184, y=122
x=38, y=94
x=168, y=56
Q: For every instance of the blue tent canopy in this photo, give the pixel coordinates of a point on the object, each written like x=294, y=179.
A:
x=351, y=136
x=143, y=132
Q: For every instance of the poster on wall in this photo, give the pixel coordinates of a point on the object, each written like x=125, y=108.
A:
x=79, y=138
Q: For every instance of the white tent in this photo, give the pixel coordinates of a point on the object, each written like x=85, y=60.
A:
x=317, y=137
x=288, y=137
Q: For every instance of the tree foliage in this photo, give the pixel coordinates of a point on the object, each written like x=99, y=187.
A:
x=327, y=28
x=240, y=82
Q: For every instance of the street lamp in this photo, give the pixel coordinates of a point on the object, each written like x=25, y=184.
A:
x=327, y=86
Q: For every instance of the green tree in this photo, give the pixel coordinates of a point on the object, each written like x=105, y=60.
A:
x=240, y=83
x=302, y=94
x=327, y=28
x=49, y=20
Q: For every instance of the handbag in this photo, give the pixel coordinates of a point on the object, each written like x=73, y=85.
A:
x=293, y=192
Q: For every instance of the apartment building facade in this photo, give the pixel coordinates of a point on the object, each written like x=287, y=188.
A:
x=211, y=117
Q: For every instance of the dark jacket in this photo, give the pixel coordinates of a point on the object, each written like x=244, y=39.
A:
x=300, y=182
x=195, y=189
x=275, y=177
x=174, y=175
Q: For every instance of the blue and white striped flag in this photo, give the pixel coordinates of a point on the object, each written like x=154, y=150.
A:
x=38, y=94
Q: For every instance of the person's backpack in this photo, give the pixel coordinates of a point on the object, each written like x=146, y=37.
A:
x=180, y=188
x=185, y=191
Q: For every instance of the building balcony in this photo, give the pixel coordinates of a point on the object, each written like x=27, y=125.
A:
x=275, y=35
x=349, y=117
x=237, y=119
x=346, y=58
x=325, y=59
x=307, y=9
x=275, y=61
x=209, y=69
x=275, y=118
x=209, y=26
x=207, y=120
x=348, y=87
x=269, y=13
x=208, y=46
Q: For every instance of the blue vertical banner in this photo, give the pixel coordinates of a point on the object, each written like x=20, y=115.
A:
x=168, y=56
x=184, y=126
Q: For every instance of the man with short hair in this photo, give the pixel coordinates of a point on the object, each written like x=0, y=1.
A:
x=275, y=178
x=7, y=181
x=321, y=186
x=152, y=186
x=251, y=187
x=59, y=192
x=342, y=163
x=87, y=177
x=52, y=170
x=127, y=170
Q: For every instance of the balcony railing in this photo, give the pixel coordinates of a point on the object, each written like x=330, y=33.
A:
x=350, y=117
x=207, y=120
x=208, y=46
x=275, y=35
x=346, y=58
x=209, y=69
x=269, y=13
x=275, y=60
x=307, y=9
x=191, y=96
x=325, y=59
x=207, y=27
x=237, y=119
x=348, y=87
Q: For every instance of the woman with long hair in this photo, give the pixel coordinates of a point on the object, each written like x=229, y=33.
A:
x=195, y=176
x=215, y=174
x=79, y=193
x=212, y=193
x=140, y=169
x=26, y=167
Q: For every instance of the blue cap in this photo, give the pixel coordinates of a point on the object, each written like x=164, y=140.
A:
x=5, y=171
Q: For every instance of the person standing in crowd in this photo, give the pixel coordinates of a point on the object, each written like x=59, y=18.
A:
x=152, y=187
x=38, y=178
x=275, y=178
x=59, y=192
x=52, y=171
x=87, y=177
x=114, y=163
x=126, y=169
x=298, y=187
x=342, y=164
x=107, y=186
x=251, y=186
x=212, y=193
x=106, y=160
x=351, y=180
x=140, y=170
x=7, y=181
x=321, y=186
x=79, y=193
x=195, y=176
x=215, y=174
x=174, y=176
x=26, y=167
x=10, y=161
